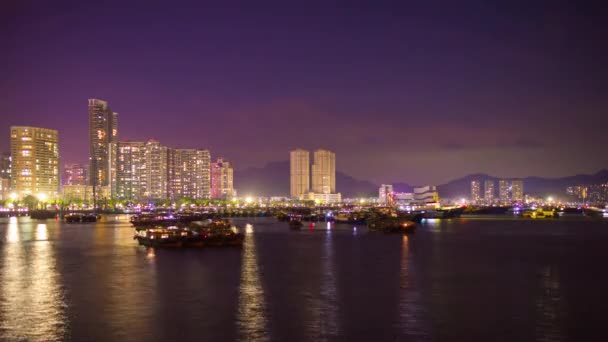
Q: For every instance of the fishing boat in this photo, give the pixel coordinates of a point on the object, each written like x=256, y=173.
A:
x=295, y=221
x=80, y=218
x=350, y=217
x=391, y=225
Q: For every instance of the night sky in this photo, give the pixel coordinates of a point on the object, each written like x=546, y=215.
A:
x=419, y=92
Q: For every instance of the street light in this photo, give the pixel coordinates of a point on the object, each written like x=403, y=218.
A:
x=42, y=197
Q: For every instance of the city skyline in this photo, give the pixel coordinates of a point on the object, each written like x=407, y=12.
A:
x=487, y=88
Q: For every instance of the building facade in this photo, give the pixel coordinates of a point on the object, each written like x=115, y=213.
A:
x=130, y=168
x=517, y=190
x=222, y=179
x=299, y=172
x=35, y=161
x=74, y=174
x=324, y=172
x=323, y=198
x=489, y=191
x=155, y=171
x=103, y=131
x=384, y=193
x=191, y=174
x=404, y=198
x=5, y=166
x=5, y=176
x=426, y=194
x=504, y=190
x=475, y=191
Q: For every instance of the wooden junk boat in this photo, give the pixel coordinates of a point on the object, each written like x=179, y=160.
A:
x=216, y=234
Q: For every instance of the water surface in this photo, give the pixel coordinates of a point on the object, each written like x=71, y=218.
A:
x=454, y=280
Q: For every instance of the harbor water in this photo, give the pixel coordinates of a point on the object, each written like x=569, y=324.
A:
x=453, y=280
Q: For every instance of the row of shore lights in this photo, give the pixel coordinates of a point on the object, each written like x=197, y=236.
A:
x=41, y=196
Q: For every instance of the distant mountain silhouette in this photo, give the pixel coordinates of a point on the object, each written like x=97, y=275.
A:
x=273, y=180
x=461, y=187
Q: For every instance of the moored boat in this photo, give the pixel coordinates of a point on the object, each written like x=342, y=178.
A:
x=540, y=213
x=350, y=217
x=213, y=235
x=391, y=225
x=142, y=221
x=80, y=218
x=295, y=221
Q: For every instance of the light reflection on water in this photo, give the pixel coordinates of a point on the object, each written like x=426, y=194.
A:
x=32, y=305
x=12, y=232
x=548, y=306
x=412, y=312
x=452, y=280
x=42, y=232
x=252, y=322
x=325, y=309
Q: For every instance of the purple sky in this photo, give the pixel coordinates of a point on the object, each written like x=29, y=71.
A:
x=420, y=92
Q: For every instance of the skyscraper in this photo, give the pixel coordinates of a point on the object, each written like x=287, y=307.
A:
x=103, y=131
x=130, y=167
x=489, y=191
x=517, y=190
x=35, y=161
x=324, y=172
x=74, y=174
x=299, y=172
x=504, y=189
x=222, y=179
x=191, y=176
x=155, y=173
x=475, y=191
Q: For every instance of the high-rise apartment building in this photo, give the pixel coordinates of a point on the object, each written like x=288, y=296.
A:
x=299, y=172
x=517, y=190
x=489, y=191
x=35, y=161
x=155, y=171
x=504, y=189
x=103, y=131
x=74, y=174
x=475, y=191
x=324, y=172
x=191, y=176
x=130, y=168
x=149, y=170
x=222, y=179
